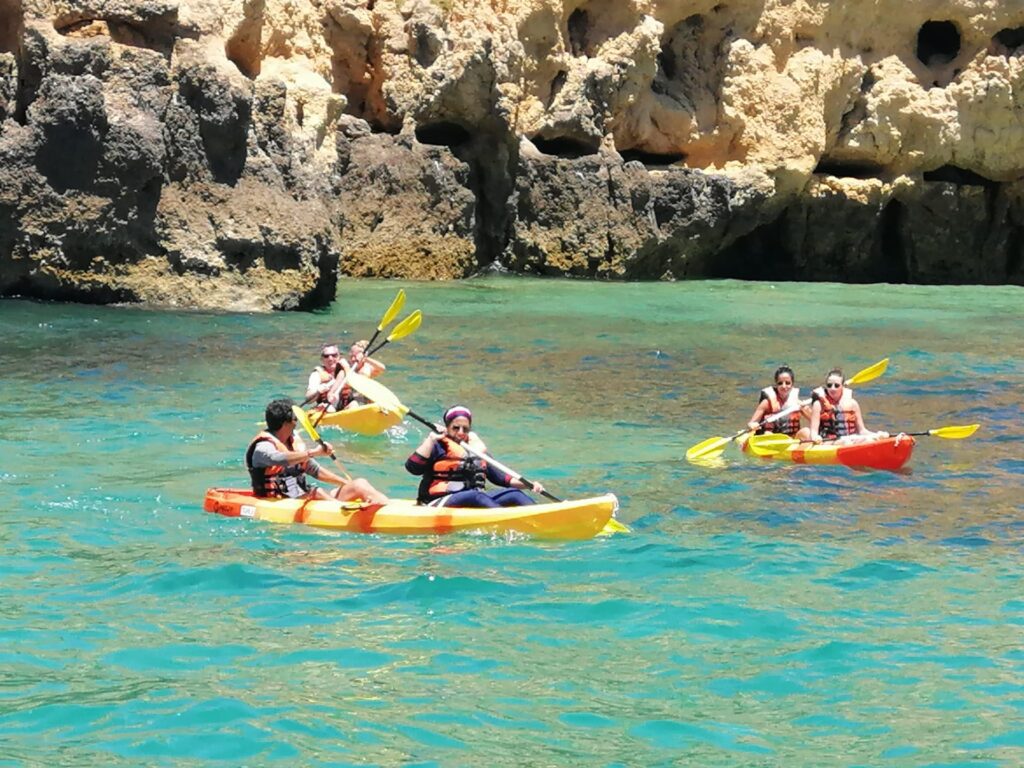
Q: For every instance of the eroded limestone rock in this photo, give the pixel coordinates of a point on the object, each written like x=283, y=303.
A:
x=427, y=138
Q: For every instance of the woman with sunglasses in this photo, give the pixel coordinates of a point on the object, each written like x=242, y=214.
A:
x=783, y=398
x=454, y=477
x=835, y=415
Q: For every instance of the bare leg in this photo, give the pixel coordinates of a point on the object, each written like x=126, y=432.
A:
x=360, y=489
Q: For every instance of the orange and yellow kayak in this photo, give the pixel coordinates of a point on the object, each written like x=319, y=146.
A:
x=362, y=419
x=580, y=519
x=887, y=453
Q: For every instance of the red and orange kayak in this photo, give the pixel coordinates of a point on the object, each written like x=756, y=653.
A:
x=887, y=453
x=581, y=519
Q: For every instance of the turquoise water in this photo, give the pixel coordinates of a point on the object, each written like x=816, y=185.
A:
x=760, y=614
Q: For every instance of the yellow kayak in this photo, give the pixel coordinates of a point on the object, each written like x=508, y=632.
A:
x=362, y=419
x=582, y=519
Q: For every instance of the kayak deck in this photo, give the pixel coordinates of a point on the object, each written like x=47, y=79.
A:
x=362, y=419
x=889, y=453
x=580, y=519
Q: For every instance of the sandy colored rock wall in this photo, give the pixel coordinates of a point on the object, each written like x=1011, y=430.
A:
x=247, y=153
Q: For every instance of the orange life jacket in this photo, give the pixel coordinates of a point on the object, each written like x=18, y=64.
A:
x=837, y=419
x=457, y=470
x=274, y=481
x=788, y=424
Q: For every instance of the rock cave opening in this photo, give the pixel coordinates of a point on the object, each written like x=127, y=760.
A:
x=1009, y=39
x=243, y=48
x=938, y=43
x=442, y=134
x=564, y=147
x=959, y=176
x=894, y=262
x=557, y=83
x=652, y=159
x=579, y=23
x=848, y=170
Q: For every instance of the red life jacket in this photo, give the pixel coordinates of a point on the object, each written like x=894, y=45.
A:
x=273, y=481
x=788, y=424
x=457, y=470
x=837, y=419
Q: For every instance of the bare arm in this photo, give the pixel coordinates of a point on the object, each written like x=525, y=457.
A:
x=759, y=414
x=313, y=386
x=372, y=368
x=815, y=421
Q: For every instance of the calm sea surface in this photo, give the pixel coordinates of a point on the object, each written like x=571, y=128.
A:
x=760, y=614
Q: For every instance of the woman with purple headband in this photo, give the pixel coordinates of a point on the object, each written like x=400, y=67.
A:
x=454, y=477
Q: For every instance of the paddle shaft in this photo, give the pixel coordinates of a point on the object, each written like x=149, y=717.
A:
x=376, y=349
x=481, y=455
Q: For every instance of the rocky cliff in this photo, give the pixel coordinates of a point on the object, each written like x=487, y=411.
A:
x=246, y=153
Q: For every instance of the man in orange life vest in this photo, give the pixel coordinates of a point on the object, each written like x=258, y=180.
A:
x=783, y=396
x=321, y=385
x=278, y=462
x=453, y=477
x=835, y=415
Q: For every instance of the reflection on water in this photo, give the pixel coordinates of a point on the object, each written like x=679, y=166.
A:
x=760, y=613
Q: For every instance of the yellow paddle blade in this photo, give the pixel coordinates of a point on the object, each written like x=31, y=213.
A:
x=407, y=326
x=614, y=526
x=393, y=310
x=955, y=433
x=708, y=447
x=769, y=444
x=870, y=373
x=306, y=423
x=372, y=390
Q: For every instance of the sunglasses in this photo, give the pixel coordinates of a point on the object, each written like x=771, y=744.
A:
x=459, y=429
x=834, y=385
x=329, y=354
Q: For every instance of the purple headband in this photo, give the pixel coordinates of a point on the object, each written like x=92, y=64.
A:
x=455, y=411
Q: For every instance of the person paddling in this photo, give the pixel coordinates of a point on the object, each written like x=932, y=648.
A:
x=454, y=477
x=278, y=462
x=341, y=393
x=321, y=387
x=782, y=396
x=836, y=416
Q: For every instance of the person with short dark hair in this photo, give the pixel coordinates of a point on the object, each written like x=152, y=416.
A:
x=781, y=397
x=455, y=477
x=278, y=463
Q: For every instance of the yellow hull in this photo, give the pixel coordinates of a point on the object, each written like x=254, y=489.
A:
x=362, y=419
x=582, y=519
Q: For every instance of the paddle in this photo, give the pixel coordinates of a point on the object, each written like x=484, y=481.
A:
x=400, y=331
x=717, y=444
x=311, y=431
x=389, y=315
x=949, y=433
x=378, y=393
x=770, y=444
